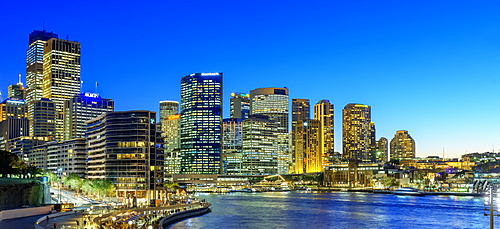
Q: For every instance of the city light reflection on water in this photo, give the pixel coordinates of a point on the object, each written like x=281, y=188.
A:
x=339, y=210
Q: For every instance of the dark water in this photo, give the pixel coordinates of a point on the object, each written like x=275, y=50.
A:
x=339, y=210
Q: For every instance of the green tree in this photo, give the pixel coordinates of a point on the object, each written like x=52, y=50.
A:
x=173, y=186
x=9, y=163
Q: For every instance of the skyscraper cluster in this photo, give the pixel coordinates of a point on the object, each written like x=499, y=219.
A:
x=54, y=125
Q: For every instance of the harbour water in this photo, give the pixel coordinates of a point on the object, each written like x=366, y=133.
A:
x=308, y=210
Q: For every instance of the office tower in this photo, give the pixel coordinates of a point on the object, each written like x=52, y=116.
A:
x=81, y=108
x=324, y=113
x=300, y=111
x=402, y=146
x=201, y=123
x=382, y=151
x=308, y=154
x=34, y=67
x=61, y=76
x=273, y=103
x=240, y=105
x=11, y=128
x=67, y=157
x=121, y=146
x=358, y=132
x=23, y=146
x=12, y=108
x=170, y=133
x=232, y=144
x=168, y=108
x=17, y=90
x=43, y=119
x=260, y=148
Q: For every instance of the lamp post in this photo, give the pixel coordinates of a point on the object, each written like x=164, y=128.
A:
x=59, y=173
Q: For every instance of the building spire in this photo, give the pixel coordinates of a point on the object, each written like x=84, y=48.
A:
x=19, y=80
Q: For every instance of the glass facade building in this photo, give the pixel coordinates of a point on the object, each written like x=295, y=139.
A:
x=168, y=108
x=358, y=132
x=309, y=157
x=324, y=113
x=232, y=143
x=201, y=123
x=382, y=152
x=260, y=146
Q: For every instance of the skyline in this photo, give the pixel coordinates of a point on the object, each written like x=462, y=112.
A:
x=402, y=59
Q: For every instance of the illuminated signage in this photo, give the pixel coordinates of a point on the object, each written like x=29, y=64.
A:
x=210, y=74
x=173, y=117
x=91, y=95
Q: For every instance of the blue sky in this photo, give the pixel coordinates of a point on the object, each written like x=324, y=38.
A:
x=429, y=67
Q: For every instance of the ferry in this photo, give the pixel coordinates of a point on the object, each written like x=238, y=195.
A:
x=407, y=191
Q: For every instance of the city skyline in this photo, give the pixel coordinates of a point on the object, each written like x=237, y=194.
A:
x=428, y=68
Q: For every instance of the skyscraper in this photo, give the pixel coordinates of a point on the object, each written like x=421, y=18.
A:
x=239, y=105
x=358, y=132
x=382, y=152
x=260, y=148
x=232, y=143
x=324, y=113
x=17, y=90
x=168, y=108
x=402, y=146
x=308, y=150
x=273, y=103
x=43, y=119
x=81, y=108
x=201, y=123
x=34, y=68
x=61, y=75
x=300, y=111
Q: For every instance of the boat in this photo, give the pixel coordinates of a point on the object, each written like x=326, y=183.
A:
x=407, y=191
x=242, y=190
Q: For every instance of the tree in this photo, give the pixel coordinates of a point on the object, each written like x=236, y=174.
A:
x=173, y=186
x=9, y=163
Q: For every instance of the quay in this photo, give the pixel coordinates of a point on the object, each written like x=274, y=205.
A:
x=381, y=191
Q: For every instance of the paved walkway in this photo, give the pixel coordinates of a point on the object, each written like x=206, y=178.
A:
x=20, y=223
x=68, y=221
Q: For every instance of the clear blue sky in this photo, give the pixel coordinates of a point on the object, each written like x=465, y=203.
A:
x=429, y=67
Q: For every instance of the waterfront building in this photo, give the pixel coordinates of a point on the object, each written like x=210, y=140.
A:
x=201, y=123
x=351, y=174
x=324, y=113
x=81, y=108
x=61, y=76
x=309, y=155
x=402, y=146
x=300, y=111
x=358, y=132
x=67, y=157
x=34, y=68
x=232, y=143
x=382, y=151
x=42, y=119
x=239, y=105
x=260, y=148
x=124, y=147
x=233, y=163
x=168, y=108
x=17, y=90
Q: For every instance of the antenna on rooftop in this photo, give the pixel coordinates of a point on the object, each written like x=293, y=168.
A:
x=81, y=85
x=19, y=80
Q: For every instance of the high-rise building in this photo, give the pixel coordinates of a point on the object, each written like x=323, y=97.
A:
x=122, y=146
x=260, y=148
x=34, y=68
x=382, y=151
x=239, y=105
x=81, y=108
x=402, y=146
x=300, y=111
x=273, y=103
x=201, y=123
x=17, y=90
x=308, y=154
x=12, y=108
x=13, y=121
x=168, y=108
x=67, y=157
x=61, y=76
x=232, y=142
x=324, y=113
x=358, y=132
x=42, y=119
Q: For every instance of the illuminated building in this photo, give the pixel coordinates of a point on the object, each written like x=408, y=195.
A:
x=81, y=108
x=324, y=113
x=382, y=151
x=122, y=146
x=309, y=157
x=17, y=90
x=13, y=121
x=260, y=148
x=170, y=133
x=67, y=157
x=232, y=143
x=43, y=118
x=300, y=111
x=273, y=103
x=168, y=108
x=201, y=123
x=351, y=174
x=34, y=68
x=358, y=132
x=12, y=108
x=23, y=146
x=61, y=76
x=240, y=105
x=402, y=146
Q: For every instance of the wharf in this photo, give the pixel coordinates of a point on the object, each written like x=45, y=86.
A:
x=380, y=191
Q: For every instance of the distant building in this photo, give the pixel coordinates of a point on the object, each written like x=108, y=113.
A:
x=301, y=110
x=232, y=142
x=122, y=146
x=351, y=174
x=309, y=157
x=260, y=148
x=358, y=132
x=168, y=108
x=324, y=113
x=11, y=128
x=201, y=123
x=23, y=146
x=239, y=105
x=43, y=119
x=12, y=108
x=81, y=108
x=170, y=133
x=402, y=146
x=61, y=76
x=382, y=151
x=17, y=90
